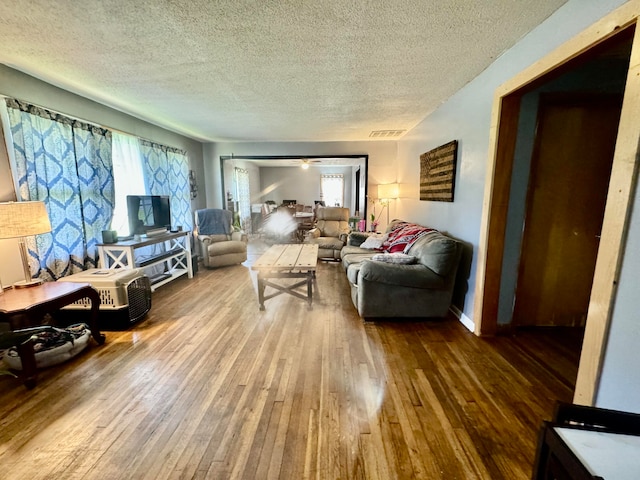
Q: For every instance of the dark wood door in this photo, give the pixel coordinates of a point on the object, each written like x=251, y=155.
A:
x=570, y=172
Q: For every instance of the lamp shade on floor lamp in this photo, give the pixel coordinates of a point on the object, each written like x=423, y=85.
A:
x=24, y=219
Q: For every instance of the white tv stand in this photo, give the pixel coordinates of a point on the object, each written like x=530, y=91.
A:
x=176, y=256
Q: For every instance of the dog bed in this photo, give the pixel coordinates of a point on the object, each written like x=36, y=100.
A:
x=53, y=345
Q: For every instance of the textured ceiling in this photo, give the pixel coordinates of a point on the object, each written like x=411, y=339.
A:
x=249, y=70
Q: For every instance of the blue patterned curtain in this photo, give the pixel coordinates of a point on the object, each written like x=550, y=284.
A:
x=166, y=172
x=66, y=164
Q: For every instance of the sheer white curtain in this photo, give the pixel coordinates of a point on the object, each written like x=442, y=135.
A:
x=244, y=198
x=129, y=177
x=332, y=190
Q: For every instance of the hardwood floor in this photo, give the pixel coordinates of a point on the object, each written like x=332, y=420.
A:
x=210, y=387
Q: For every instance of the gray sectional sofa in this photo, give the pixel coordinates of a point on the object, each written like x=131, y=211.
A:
x=420, y=289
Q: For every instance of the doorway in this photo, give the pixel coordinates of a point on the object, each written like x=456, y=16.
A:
x=596, y=47
x=568, y=183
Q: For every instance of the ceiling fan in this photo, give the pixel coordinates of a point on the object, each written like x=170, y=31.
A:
x=305, y=162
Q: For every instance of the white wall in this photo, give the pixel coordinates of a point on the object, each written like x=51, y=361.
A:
x=619, y=387
x=293, y=183
x=466, y=117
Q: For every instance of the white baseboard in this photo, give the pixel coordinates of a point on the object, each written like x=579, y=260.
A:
x=466, y=321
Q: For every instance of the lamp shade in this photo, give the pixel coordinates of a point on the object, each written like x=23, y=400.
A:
x=388, y=191
x=23, y=219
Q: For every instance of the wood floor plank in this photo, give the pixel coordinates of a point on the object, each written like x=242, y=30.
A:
x=208, y=386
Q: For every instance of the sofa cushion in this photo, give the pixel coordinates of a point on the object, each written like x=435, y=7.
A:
x=333, y=228
x=357, y=238
x=396, y=257
x=374, y=242
x=354, y=258
x=227, y=259
x=352, y=273
x=348, y=250
x=223, y=248
x=214, y=238
x=332, y=243
x=414, y=276
x=436, y=251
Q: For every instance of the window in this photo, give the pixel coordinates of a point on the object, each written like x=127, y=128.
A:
x=144, y=168
x=128, y=175
x=332, y=189
x=69, y=165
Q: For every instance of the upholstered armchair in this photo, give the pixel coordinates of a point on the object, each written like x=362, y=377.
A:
x=216, y=241
x=330, y=232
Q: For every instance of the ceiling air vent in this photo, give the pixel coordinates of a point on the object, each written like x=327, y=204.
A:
x=386, y=133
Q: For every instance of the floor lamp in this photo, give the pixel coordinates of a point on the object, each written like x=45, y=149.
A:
x=386, y=193
x=19, y=220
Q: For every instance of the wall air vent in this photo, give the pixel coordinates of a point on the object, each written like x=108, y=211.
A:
x=386, y=133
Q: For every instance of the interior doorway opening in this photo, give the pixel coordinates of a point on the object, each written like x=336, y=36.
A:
x=600, y=72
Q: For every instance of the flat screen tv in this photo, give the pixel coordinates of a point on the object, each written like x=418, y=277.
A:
x=148, y=212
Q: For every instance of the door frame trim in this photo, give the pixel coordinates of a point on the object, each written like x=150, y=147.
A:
x=502, y=137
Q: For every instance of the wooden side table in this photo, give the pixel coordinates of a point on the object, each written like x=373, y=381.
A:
x=25, y=307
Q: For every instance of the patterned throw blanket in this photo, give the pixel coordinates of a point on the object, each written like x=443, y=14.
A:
x=403, y=236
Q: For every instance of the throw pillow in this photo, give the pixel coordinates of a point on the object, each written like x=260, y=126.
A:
x=374, y=242
x=357, y=238
x=397, y=257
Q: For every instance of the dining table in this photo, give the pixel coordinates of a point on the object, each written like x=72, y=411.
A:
x=305, y=223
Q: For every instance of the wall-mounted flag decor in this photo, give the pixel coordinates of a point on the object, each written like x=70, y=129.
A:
x=438, y=173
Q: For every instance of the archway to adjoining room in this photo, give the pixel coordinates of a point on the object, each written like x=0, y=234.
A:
x=288, y=177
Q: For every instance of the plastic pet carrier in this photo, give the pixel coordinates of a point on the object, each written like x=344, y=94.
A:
x=125, y=296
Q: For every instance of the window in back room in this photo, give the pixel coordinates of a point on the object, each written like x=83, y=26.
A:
x=332, y=189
